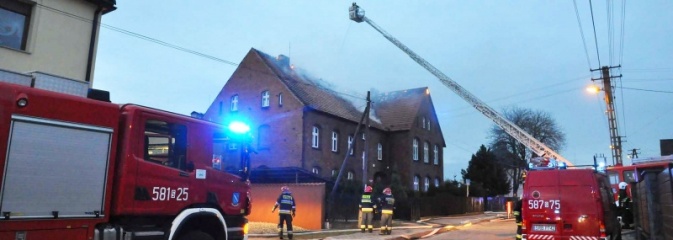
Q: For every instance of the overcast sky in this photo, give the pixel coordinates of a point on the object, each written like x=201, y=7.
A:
x=528, y=54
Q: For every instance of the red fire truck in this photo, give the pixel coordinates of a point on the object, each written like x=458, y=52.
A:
x=568, y=204
x=75, y=168
x=626, y=174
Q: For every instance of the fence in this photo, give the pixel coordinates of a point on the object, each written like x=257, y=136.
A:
x=413, y=208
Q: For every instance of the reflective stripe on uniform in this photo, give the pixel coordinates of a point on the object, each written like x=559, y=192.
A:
x=386, y=211
x=367, y=209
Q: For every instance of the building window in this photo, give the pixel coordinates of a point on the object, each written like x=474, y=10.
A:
x=350, y=175
x=379, y=152
x=363, y=136
x=415, y=149
x=234, y=103
x=265, y=99
x=315, y=170
x=426, y=152
x=335, y=141
x=435, y=156
x=280, y=99
x=351, y=145
x=334, y=172
x=416, y=183
x=423, y=126
x=264, y=137
x=315, y=140
x=436, y=182
x=426, y=184
x=15, y=17
x=428, y=125
x=220, y=110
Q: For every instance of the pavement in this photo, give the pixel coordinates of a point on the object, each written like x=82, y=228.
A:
x=401, y=229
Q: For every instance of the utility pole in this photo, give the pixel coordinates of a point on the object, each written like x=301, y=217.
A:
x=365, y=153
x=634, y=153
x=615, y=139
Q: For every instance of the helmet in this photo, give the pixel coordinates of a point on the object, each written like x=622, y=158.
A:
x=284, y=189
x=622, y=185
x=387, y=191
x=368, y=189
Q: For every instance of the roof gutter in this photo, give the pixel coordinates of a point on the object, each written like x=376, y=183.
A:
x=92, y=43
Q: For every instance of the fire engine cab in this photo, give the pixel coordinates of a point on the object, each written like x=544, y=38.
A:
x=560, y=203
x=75, y=168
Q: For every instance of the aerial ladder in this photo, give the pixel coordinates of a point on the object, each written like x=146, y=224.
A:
x=357, y=14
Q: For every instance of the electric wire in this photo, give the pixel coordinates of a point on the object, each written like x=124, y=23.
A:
x=138, y=35
x=591, y=7
x=584, y=42
x=646, y=90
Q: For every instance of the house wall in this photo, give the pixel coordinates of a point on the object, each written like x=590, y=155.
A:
x=309, y=201
x=52, y=47
x=326, y=160
x=282, y=146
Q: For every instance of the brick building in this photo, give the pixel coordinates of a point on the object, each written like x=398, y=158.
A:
x=298, y=122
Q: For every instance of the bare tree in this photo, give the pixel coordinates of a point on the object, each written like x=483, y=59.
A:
x=511, y=153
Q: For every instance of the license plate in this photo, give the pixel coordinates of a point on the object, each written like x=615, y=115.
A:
x=544, y=227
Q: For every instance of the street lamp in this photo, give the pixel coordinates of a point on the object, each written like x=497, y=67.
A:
x=467, y=183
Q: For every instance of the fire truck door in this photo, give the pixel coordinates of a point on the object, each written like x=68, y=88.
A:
x=165, y=173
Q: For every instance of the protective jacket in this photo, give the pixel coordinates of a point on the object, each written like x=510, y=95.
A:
x=366, y=204
x=286, y=203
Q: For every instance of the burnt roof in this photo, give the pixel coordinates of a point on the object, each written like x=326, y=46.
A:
x=316, y=94
x=398, y=110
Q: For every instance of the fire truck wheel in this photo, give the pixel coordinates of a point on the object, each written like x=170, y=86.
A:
x=196, y=235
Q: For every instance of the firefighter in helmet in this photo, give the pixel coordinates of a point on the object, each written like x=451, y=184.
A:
x=287, y=211
x=387, y=202
x=625, y=205
x=367, y=208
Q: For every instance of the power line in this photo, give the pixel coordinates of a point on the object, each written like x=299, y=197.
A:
x=647, y=90
x=621, y=41
x=584, y=42
x=138, y=35
x=591, y=7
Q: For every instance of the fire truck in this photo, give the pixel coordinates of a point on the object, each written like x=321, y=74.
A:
x=627, y=174
x=75, y=168
x=575, y=203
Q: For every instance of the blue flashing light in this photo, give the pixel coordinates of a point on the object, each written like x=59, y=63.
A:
x=562, y=165
x=239, y=127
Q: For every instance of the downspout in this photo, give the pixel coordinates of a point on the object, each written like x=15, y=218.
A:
x=92, y=44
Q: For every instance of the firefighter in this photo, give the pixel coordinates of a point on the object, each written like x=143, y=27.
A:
x=387, y=202
x=367, y=208
x=518, y=217
x=625, y=205
x=287, y=211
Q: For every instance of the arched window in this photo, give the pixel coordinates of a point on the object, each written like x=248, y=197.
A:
x=351, y=145
x=426, y=184
x=426, y=152
x=265, y=98
x=415, y=149
x=334, y=172
x=350, y=175
x=234, y=103
x=436, y=182
x=280, y=99
x=316, y=170
x=435, y=156
x=335, y=141
x=315, y=139
x=416, y=183
x=379, y=152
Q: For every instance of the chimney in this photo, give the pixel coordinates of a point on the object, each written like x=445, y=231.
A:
x=283, y=61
